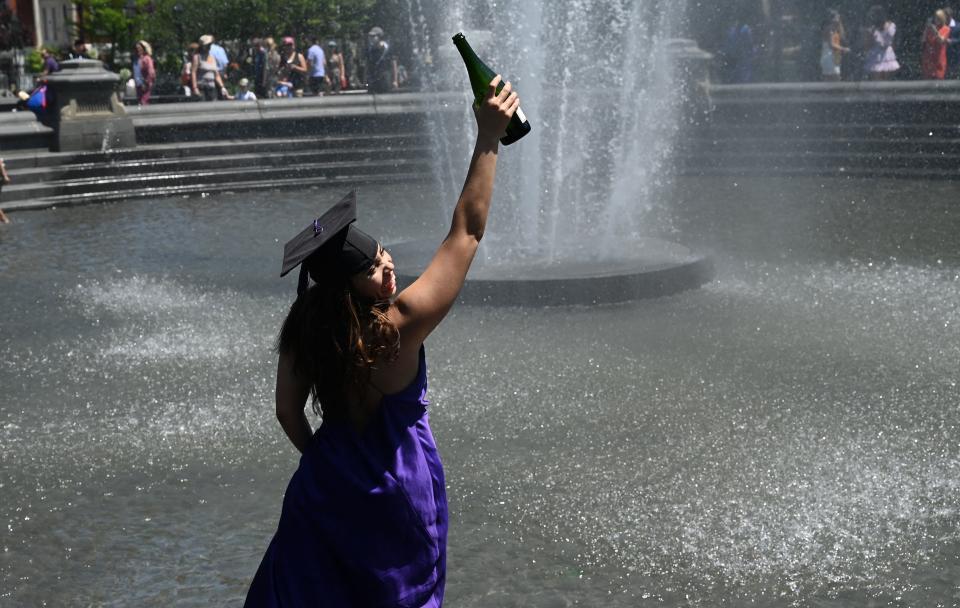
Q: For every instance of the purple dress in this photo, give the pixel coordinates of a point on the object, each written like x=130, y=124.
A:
x=364, y=519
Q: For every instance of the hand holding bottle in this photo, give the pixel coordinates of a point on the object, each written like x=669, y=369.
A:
x=496, y=109
x=481, y=79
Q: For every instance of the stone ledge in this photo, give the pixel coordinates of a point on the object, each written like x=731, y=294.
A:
x=118, y=195
x=305, y=107
x=892, y=89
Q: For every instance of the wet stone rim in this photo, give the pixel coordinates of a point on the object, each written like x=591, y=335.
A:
x=644, y=276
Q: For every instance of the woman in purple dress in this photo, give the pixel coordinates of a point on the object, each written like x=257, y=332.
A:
x=364, y=518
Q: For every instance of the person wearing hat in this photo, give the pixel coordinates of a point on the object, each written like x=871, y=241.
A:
x=205, y=77
x=336, y=71
x=144, y=74
x=243, y=91
x=293, y=70
x=382, y=71
x=364, y=518
x=218, y=52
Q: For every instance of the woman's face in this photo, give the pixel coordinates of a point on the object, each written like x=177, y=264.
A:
x=378, y=282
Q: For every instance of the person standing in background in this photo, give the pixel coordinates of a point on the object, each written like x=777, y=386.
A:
x=144, y=74
x=880, y=60
x=936, y=38
x=832, y=49
x=271, y=74
x=336, y=71
x=220, y=55
x=318, y=67
x=205, y=77
x=293, y=69
x=79, y=50
x=739, y=51
x=186, y=73
x=953, y=45
x=50, y=64
x=259, y=68
x=382, y=73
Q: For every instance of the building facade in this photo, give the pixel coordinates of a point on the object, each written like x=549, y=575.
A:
x=46, y=22
x=55, y=22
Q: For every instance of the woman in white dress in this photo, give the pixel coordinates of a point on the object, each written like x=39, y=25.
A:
x=880, y=62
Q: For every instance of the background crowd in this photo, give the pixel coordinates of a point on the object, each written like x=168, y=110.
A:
x=847, y=44
x=315, y=50
x=260, y=68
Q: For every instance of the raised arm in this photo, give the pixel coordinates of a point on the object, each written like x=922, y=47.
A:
x=423, y=305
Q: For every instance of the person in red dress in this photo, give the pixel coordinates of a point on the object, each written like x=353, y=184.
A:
x=933, y=59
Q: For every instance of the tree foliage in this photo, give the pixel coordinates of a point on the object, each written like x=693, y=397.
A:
x=115, y=22
x=177, y=22
x=104, y=19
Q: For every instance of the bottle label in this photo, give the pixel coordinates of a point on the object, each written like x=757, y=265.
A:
x=520, y=115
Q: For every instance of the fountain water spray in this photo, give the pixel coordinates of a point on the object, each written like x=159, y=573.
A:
x=598, y=85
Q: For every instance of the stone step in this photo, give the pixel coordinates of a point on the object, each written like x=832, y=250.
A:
x=18, y=160
x=749, y=111
x=16, y=194
x=263, y=158
x=847, y=160
x=734, y=170
x=157, y=191
x=801, y=131
x=929, y=146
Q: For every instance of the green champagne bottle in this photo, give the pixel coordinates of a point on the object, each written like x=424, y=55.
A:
x=480, y=77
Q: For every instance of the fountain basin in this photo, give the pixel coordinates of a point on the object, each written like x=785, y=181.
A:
x=649, y=268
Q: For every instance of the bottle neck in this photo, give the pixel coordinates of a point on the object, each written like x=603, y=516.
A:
x=465, y=49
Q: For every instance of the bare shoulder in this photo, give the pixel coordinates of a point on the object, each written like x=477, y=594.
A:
x=394, y=376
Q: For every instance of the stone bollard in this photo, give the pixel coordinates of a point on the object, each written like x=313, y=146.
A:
x=86, y=113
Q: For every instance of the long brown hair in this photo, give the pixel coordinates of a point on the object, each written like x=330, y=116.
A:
x=336, y=338
x=833, y=24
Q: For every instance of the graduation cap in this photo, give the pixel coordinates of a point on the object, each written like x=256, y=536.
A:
x=331, y=244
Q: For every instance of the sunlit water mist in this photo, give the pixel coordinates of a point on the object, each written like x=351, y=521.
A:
x=599, y=90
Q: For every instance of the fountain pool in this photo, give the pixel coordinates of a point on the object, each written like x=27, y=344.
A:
x=785, y=435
